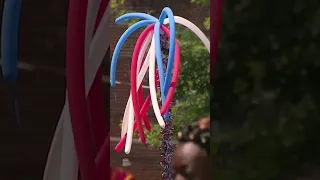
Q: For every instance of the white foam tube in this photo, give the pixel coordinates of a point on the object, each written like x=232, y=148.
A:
x=140, y=75
x=153, y=92
x=152, y=84
x=193, y=28
x=139, y=81
x=128, y=145
x=63, y=134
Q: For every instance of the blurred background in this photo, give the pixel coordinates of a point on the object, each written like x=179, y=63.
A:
x=266, y=93
x=41, y=90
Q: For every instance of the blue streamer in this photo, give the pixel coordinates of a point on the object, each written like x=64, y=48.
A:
x=9, y=47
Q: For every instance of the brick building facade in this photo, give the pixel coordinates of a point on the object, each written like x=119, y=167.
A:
x=41, y=89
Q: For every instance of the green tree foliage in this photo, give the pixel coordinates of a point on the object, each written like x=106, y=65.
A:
x=266, y=90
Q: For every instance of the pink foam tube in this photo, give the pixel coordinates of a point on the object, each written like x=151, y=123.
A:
x=76, y=88
x=135, y=102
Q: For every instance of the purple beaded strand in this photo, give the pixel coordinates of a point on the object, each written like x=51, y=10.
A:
x=166, y=133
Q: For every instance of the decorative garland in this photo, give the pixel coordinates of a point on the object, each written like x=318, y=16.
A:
x=167, y=133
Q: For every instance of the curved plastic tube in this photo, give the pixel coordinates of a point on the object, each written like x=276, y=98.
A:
x=130, y=129
x=167, y=12
x=152, y=83
x=165, y=76
x=193, y=28
x=134, y=98
x=130, y=16
x=141, y=75
x=119, y=45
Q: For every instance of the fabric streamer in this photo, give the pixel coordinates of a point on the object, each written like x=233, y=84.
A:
x=76, y=88
x=97, y=111
x=69, y=163
x=96, y=99
x=98, y=48
x=9, y=48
